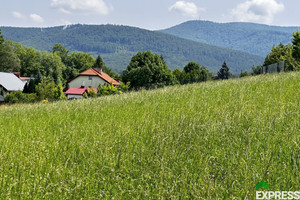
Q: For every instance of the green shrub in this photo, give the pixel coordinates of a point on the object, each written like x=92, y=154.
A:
x=245, y=73
x=19, y=97
x=109, y=89
x=124, y=87
x=85, y=95
x=59, y=94
x=47, y=89
x=92, y=93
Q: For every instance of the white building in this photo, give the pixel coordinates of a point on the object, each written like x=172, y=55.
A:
x=8, y=83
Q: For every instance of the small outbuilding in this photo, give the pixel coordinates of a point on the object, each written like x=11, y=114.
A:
x=77, y=92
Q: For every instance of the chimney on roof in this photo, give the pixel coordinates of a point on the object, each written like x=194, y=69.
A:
x=99, y=70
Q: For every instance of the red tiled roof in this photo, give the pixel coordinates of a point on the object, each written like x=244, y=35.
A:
x=89, y=72
x=94, y=72
x=79, y=90
x=76, y=90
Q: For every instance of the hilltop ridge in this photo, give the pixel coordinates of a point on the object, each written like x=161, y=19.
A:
x=249, y=37
x=117, y=44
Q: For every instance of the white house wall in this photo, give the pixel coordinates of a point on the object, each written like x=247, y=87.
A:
x=74, y=96
x=84, y=81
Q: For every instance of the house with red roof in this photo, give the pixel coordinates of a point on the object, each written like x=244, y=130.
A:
x=90, y=78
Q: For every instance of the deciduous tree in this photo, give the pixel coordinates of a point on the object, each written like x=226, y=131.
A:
x=282, y=53
x=148, y=70
x=52, y=67
x=46, y=89
x=61, y=51
x=296, y=45
x=9, y=60
x=193, y=72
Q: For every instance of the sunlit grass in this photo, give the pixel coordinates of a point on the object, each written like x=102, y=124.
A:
x=206, y=141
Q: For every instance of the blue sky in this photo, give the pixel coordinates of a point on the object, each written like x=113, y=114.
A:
x=150, y=14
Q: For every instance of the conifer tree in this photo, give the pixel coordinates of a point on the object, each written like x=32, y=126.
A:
x=224, y=72
x=99, y=63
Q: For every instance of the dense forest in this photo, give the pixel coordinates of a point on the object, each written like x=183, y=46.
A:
x=253, y=38
x=117, y=44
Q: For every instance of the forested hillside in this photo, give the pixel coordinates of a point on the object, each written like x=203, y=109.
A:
x=117, y=44
x=253, y=38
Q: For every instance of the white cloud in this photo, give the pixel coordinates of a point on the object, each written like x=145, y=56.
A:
x=257, y=11
x=18, y=15
x=36, y=18
x=33, y=17
x=83, y=6
x=187, y=9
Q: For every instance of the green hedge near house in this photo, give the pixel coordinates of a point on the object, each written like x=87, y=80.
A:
x=19, y=97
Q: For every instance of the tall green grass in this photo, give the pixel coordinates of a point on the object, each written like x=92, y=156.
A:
x=213, y=140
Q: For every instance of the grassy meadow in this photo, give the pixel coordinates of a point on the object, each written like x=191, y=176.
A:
x=211, y=140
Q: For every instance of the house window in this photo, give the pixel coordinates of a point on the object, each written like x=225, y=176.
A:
x=90, y=77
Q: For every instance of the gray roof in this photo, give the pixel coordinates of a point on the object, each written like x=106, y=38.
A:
x=10, y=82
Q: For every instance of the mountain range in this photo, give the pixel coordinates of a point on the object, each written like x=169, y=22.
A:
x=241, y=45
x=253, y=38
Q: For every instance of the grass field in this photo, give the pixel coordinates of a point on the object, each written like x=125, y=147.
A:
x=213, y=140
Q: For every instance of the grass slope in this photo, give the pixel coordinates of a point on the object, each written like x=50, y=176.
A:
x=253, y=38
x=117, y=44
x=210, y=140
